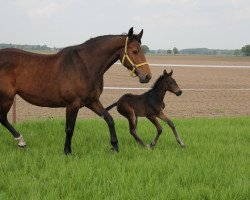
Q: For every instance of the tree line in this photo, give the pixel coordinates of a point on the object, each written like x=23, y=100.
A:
x=244, y=51
x=28, y=47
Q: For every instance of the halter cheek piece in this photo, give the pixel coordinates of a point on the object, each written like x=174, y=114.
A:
x=130, y=61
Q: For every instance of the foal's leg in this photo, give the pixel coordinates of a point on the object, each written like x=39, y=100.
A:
x=98, y=108
x=158, y=128
x=136, y=121
x=132, y=125
x=171, y=124
x=71, y=114
x=5, y=105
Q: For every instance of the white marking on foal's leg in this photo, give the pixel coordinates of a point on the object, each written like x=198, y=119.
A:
x=21, y=142
x=180, y=142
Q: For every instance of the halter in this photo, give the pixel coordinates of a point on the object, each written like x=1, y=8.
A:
x=130, y=61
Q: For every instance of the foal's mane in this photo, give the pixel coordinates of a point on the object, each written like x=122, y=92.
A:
x=158, y=82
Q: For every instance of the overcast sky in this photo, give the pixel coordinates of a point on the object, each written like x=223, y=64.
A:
x=166, y=23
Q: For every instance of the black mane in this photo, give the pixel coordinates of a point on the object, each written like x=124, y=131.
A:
x=158, y=82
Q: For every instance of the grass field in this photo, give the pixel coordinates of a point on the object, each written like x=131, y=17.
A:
x=214, y=165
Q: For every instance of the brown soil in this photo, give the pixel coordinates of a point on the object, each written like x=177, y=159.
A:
x=193, y=103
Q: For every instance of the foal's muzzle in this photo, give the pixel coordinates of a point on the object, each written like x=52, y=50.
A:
x=178, y=93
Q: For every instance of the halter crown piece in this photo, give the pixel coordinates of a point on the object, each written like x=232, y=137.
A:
x=130, y=61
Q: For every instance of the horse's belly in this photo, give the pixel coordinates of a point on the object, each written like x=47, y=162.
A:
x=42, y=100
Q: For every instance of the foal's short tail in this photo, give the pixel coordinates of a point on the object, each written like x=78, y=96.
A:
x=111, y=106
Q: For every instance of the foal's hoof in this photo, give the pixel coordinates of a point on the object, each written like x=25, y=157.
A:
x=182, y=144
x=149, y=147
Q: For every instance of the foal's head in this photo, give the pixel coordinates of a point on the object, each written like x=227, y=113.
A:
x=170, y=83
x=133, y=58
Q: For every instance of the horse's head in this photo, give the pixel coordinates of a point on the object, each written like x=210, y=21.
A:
x=133, y=58
x=171, y=84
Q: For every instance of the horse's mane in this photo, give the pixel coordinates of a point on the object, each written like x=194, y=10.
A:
x=95, y=39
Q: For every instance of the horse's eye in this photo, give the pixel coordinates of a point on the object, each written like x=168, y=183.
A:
x=135, y=52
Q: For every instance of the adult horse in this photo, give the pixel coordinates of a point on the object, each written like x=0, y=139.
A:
x=72, y=78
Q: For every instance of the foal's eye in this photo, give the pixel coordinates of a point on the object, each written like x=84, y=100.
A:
x=135, y=52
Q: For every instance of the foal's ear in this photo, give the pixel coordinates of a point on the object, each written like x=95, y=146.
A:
x=139, y=36
x=165, y=73
x=130, y=33
x=170, y=74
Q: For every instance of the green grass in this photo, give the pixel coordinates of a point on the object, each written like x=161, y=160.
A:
x=214, y=165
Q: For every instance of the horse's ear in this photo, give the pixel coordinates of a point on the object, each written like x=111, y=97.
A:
x=139, y=36
x=170, y=74
x=130, y=33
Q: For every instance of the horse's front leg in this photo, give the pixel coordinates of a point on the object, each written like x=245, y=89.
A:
x=172, y=126
x=98, y=108
x=71, y=114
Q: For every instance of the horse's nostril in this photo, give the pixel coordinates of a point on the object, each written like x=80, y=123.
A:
x=148, y=77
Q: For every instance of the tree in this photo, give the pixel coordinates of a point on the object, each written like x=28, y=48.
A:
x=175, y=50
x=169, y=51
x=246, y=50
x=145, y=48
x=237, y=52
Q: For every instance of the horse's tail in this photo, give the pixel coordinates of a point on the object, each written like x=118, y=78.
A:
x=111, y=106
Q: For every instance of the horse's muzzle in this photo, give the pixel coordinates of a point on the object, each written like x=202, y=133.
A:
x=145, y=79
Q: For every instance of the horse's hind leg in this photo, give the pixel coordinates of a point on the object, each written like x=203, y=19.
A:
x=158, y=128
x=5, y=105
x=71, y=114
x=172, y=126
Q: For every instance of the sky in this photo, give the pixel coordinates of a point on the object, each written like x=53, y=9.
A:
x=217, y=24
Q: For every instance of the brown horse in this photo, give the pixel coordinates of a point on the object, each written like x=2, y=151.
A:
x=150, y=105
x=72, y=78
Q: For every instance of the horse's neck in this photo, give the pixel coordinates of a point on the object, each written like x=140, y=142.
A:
x=160, y=92
x=103, y=55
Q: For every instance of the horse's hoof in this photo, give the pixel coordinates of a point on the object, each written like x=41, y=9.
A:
x=21, y=142
x=115, y=150
x=115, y=147
x=67, y=152
x=22, y=145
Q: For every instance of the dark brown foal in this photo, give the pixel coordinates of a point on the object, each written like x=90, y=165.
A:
x=150, y=105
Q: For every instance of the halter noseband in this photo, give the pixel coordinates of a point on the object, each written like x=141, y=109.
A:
x=130, y=61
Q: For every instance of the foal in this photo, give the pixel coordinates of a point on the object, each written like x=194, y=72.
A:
x=150, y=105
